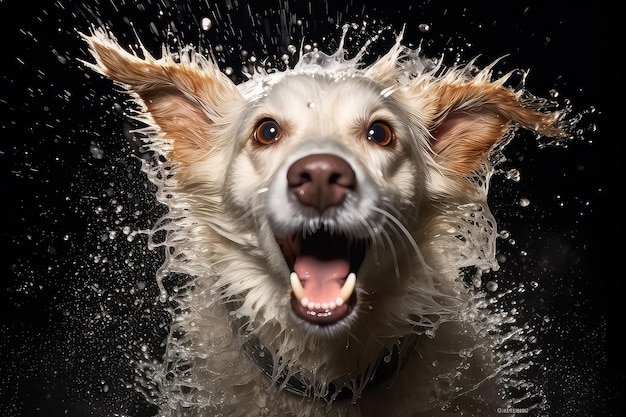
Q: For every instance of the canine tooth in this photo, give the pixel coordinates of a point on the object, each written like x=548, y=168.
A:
x=296, y=286
x=348, y=287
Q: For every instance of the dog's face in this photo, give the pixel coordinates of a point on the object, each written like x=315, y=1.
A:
x=327, y=164
x=324, y=197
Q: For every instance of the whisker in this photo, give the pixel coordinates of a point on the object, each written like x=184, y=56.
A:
x=394, y=254
x=373, y=237
x=387, y=202
x=400, y=227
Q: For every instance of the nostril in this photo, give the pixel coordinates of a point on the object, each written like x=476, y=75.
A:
x=334, y=178
x=305, y=177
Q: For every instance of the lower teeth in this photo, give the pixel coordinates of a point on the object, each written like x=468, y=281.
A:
x=344, y=294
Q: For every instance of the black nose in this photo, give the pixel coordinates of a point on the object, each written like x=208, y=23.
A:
x=320, y=181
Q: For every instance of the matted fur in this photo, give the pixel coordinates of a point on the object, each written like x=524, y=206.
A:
x=420, y=203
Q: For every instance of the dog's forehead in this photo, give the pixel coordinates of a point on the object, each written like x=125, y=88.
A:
x=322, y=92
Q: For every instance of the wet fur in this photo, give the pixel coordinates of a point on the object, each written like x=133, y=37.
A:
x=414, y=202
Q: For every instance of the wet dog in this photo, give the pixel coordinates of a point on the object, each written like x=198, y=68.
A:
x=325, y=214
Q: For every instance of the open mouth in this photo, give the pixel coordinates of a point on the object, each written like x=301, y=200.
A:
x=324, y=267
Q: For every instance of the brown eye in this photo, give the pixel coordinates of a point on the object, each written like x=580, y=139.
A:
x=267, y=132
x=380, y=133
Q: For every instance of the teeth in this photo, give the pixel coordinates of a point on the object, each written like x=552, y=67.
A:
x=297, y=288
x=344, y=294
x=348, y=287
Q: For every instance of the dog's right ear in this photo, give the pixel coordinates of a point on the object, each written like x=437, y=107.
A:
x=182, y=99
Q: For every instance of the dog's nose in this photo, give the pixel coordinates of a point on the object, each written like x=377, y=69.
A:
x=320, y=181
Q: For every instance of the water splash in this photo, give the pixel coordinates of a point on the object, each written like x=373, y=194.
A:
x=171, y=384
x=106, y=288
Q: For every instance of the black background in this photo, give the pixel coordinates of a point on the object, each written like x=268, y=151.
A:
x=79, y=297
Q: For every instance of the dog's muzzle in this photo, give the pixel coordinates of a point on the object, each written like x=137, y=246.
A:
x=324, y=261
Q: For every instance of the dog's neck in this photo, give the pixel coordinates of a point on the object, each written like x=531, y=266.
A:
x=386, y=367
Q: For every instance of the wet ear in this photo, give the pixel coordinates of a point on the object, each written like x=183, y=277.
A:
x=471, y=117
x=182, y=99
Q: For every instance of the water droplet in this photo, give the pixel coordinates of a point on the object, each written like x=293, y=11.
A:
x=423, y=27
x=310, y=104
x=513, y=175
x=96, y=152
x=492, y=286
x=206, y=23
x=524, y=202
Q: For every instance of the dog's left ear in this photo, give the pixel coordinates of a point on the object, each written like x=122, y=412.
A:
x=183, y=99
x=468, y=118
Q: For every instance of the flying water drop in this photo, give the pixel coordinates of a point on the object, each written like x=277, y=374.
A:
x=206, y=23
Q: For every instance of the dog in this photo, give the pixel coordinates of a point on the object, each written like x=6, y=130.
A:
x=327, y=215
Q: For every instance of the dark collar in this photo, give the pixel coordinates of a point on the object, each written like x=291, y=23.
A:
x=389, y=364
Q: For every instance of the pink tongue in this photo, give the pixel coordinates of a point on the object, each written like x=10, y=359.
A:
x=321, y=278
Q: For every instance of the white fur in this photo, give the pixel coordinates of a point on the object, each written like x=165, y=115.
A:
x=425, y=219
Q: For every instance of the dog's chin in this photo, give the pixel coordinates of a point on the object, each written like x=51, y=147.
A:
x=324, y=268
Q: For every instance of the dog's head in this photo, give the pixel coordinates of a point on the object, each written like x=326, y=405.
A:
x=324, y=192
